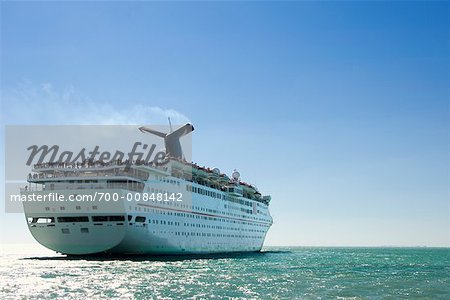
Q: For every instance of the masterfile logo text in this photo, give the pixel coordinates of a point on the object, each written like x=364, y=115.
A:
x=102, y=164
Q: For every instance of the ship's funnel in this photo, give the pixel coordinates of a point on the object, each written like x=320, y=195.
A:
x=171, y=139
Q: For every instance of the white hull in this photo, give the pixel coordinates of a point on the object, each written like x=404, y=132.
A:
x=198, y=225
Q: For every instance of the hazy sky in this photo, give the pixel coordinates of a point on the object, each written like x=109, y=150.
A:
x=338, y=110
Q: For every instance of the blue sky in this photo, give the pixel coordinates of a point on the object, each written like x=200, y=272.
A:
x=338, y=110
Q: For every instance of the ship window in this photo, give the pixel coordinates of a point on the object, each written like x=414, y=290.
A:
x=65, y=230
x=99, y=218
x=84, y=230
x=41, y=220
x=73, y=219
x=116, y=218
x=130, y=218
x=140, y=219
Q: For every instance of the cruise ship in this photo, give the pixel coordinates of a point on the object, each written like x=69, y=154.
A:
x=145, y=208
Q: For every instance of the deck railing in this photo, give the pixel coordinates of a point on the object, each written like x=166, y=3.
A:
x=131, y=172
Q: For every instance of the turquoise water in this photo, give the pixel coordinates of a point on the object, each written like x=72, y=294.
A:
x=277, y=273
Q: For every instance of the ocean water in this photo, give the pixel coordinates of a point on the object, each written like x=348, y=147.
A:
x=29, y=272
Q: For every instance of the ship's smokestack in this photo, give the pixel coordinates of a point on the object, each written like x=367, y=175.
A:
x=171, y=139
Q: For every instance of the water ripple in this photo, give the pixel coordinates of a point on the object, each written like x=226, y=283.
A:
x=277, y=273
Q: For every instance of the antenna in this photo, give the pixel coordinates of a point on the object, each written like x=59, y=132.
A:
x=170, y=124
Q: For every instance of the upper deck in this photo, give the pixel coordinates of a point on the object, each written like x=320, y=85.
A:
x=134, y=176
x=50, y=172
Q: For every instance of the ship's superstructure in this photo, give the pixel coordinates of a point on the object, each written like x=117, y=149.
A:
x=145, y=208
